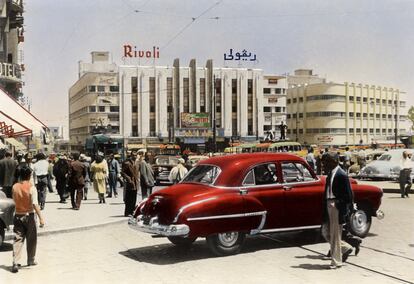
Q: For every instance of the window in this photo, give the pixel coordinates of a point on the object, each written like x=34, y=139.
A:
x=288, y=116
x=267, y=109
x=134, y=109
x=92, y=108
x=377, y=115
x=294, y=100
x=384, y=116
x=288, y=101
x=351, y=114
x=351, y=130
x=295, y=172
x=101, y=88
x=351, y=98
x=114, y=108
x=266, y=91
x=278, y=90
x=364, y=99
x=114, y=88
x=202, y=174
x=249, y=179
x=278, y=109
x=300, y=99
x=92, y=89
x=101, y=108
x=265, y=174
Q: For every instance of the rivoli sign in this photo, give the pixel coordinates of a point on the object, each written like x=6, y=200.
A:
x=133, y=52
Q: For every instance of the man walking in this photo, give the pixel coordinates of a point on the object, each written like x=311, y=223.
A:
x=77, y=174
x=405, y=174
x=25, y=198
x=7, y=170
x=130, y=173
x=146, y=177
x=114, y=172
x=337, y=207
x=60, y=171
x=41, y=170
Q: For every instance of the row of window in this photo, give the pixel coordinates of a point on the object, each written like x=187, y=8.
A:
x=274, y=109
x=342, y=99
x=100, y=89
x=278, y=91
x=103, y=109
x=342, y=130
x=342, y=114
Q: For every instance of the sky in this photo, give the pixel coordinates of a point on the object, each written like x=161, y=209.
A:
x=361, y=41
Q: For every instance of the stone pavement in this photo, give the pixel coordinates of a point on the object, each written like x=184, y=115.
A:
x=61, y=218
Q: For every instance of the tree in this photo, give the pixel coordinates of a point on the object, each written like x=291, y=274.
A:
x=411, y=116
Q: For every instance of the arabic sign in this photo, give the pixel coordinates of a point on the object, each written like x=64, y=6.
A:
x=195, y=132
x=244, y=56
x=195, y=120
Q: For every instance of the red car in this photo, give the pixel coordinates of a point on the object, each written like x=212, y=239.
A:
x=224, y=198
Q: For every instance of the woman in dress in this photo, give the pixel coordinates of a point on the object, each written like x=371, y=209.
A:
x=98, y=172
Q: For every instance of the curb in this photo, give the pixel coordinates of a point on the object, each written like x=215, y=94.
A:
x=9, y=236
x=395, y=190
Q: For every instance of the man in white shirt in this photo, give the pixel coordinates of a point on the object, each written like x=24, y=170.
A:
x=405, y=174
x=41, y=170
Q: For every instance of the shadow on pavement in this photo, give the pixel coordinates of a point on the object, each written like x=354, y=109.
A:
x=312, y=266
x=411, y=245
x=116, y=203
x=166, y=254
x=312, y=256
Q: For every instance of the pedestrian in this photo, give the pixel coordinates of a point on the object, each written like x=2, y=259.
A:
x=25, y=198
x=282, y=128
x=76, y=181
x=60, y=171
x=7, y=169
x=178, y=172
x=347, y=159
x=324, y=171
x=146, y=177
x=318, y=159
x=131, y=175
x=310, y=158
x=41, y=170
x=50, y=176
x=337, y=208
x=98, y=173
x=405, y=174
x=86, y=162
x=114, y=172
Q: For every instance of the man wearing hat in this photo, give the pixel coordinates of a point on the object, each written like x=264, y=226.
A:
x=60, y=171
x=41, y=171
x=178, y=172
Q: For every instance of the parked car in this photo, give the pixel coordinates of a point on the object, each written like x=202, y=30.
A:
x=386, y=167
x=7, y=208
x=162, y=167
x=225, y=198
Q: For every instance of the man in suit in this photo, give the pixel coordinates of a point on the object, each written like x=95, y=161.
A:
x=337, y=207
x=130, y=173
x=76, y=180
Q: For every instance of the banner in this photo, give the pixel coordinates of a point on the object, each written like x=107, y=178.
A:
x=195, y=132
x=195, y=120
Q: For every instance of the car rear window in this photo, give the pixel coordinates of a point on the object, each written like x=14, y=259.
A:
x=385, y=157
x=206, y=174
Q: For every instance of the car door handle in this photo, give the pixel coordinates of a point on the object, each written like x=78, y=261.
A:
x=243, y=191
x=287, y=188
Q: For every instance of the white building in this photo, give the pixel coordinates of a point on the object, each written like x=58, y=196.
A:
x=343, y=113
x=169, y=103
x=274, y=104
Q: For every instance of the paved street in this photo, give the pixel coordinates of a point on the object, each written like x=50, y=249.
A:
x=114, y=253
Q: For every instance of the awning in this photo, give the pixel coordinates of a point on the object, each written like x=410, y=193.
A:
x=17, y=145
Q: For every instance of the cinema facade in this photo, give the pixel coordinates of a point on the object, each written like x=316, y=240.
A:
x=162, y=104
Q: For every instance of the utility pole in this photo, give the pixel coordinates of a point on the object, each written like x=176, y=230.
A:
x=213, y=109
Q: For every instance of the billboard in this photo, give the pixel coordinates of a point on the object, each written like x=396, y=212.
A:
x=195, y=120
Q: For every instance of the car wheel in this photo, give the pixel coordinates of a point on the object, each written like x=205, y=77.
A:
x=226, y=243
x=359, y=223
x=182, y=242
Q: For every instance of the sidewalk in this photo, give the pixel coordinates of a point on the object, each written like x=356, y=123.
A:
x=61, y=218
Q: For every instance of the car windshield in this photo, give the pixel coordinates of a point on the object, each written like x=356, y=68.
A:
x=167, y=161
x=385, y=157
x=202, y=174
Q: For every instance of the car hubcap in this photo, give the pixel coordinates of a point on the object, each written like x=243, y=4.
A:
x=359, y=221
x=228, y=239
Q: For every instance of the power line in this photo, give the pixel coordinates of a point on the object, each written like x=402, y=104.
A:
x=189, y=24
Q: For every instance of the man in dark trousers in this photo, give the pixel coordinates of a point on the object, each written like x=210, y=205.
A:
x=114, y=172
x=130, y=173
x=7, y=170
x=337, y=207
x=60, y=171
x=77, y=174
x=282, y=128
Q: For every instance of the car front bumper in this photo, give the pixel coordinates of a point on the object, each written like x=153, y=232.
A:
x=153, y=227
